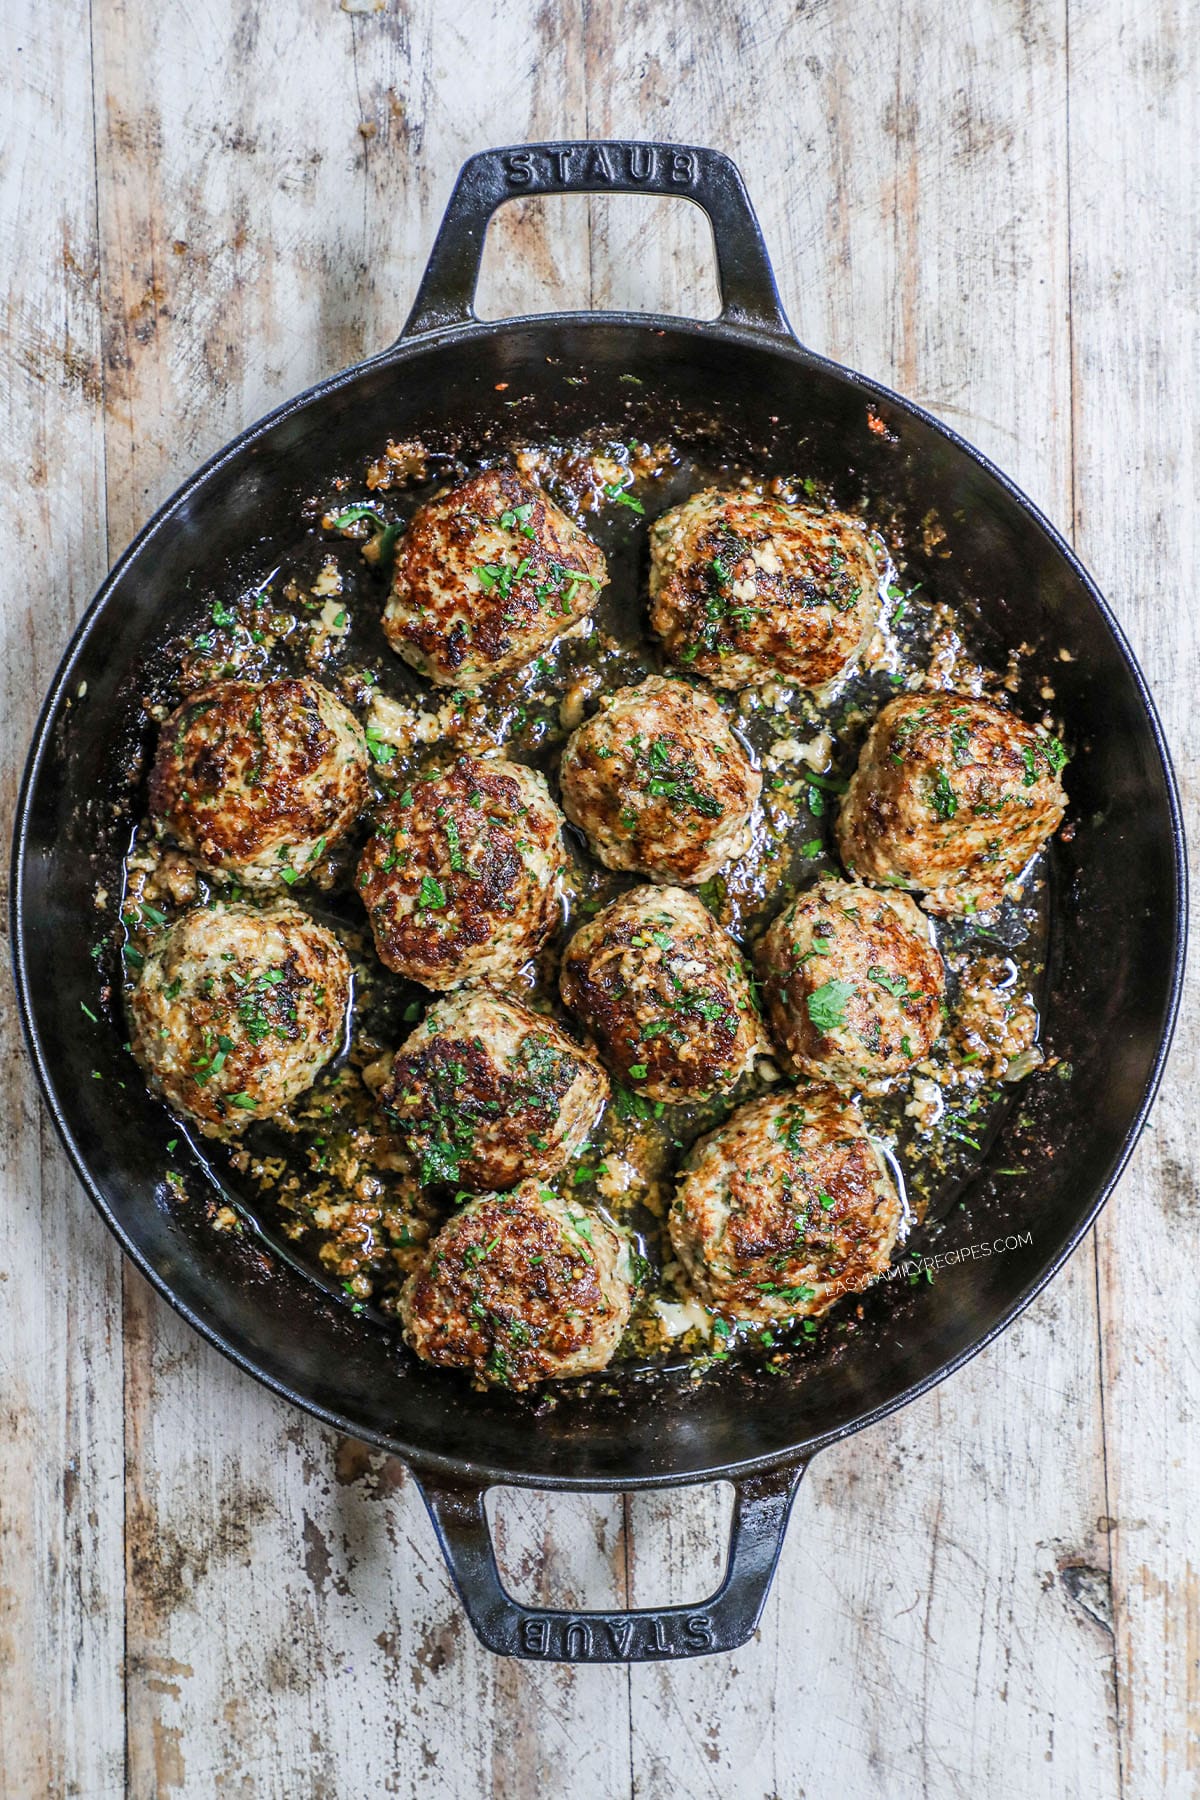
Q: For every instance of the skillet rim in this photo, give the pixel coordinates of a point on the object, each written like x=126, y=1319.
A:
x=405, y=348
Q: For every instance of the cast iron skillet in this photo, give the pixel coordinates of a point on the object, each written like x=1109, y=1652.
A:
x=1118, y=882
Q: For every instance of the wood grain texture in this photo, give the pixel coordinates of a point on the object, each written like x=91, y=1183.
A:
x=61, y=1499
x=1135, y=212
x=204, y=209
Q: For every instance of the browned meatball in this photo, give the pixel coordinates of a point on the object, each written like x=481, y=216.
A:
x=485, y=577
x=784, y=1208
x=659, y=783
x=257, y=780
x=665, y=993
x=520, y=1288
x=238, y=1009
x=486, y=1092
x=461, y=876
x=743, y=588
x=952, y=796
x=852, y=983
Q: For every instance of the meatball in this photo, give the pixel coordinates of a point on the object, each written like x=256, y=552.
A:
x=665, y=993
x=852, y=983
x=485, y=577
x=659, y=783
x=520, y=1288
x=257, y=780
x=485, y=1092
x=951, y=796
x=743, y=588
x=238, y=1009
x=461, y=875
x=784, y=1208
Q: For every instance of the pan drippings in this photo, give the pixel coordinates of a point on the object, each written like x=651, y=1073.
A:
x=327, y=1180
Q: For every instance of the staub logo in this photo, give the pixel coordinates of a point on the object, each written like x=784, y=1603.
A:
x=598, y=1638
x=603, y=164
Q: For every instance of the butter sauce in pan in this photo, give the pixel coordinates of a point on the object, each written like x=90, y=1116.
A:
x=750, y=961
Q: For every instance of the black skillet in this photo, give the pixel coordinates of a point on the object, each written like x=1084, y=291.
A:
x=1114, y=967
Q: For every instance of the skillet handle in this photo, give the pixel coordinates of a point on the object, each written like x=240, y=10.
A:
x=655, y=1634
x=686, y=171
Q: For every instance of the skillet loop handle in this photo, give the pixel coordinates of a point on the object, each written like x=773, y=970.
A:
x=725, y=1620
x=685, y=171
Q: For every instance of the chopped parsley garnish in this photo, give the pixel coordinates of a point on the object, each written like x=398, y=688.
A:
x=790, y=1134
x=500, y=575
x=475, y=1253
x=252, y=1008
x=827, y=1004
x=563, y=585
x=630, y=1105
x=440, y=1160
x=891, y=984
x=432, y=894
x=455, y=843
x=380, y=752
x=943, y=799
x=385, y=535
x=1056, y=755
x=516, y=518
x=618, y=491
x=668, y=779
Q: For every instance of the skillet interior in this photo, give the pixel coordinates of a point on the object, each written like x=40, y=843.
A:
x=1113, y=969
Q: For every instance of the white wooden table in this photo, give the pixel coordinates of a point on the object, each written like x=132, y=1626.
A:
x=995, y=208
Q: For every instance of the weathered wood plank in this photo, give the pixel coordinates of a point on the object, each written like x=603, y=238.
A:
x=920, y=1639
x=1135, y=121
x=61, y=1504
x=291, y=1625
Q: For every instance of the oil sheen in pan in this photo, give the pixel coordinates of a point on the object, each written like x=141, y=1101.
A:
x=321, y=602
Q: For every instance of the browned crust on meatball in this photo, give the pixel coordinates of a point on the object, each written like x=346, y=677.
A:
x=248, y=771
x=518, y=1289
x=237, y=1009
x=952, y=796
x=460, y=875
x=486, y=1092
x=659, y=782
x=852, y=985
x=542, y=573
x=665, y=993
x=784, y=1208
x=744, y=586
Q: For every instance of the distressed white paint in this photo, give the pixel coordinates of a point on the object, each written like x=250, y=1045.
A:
x=268, y=181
